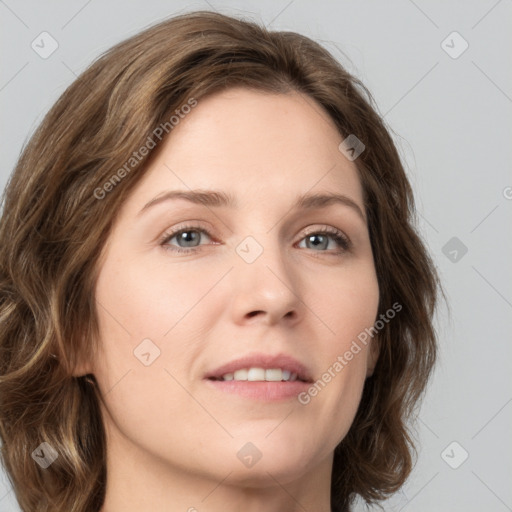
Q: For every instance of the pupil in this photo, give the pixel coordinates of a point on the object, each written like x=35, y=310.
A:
x=312, y=237
x=188, y=236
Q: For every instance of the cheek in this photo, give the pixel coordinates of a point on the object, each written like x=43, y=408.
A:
x=348, y=309
x=152, y=321
x=137, y=307
x=149, y=301
x=346, y=302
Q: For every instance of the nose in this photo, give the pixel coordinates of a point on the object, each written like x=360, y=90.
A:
x=266, y=289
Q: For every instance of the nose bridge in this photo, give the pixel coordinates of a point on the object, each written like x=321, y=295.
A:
x=263, y=281
x=261, y=248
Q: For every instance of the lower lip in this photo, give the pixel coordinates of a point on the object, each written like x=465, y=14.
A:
x=261, y=390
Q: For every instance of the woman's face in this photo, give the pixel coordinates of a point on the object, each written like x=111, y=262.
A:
x=253, y=278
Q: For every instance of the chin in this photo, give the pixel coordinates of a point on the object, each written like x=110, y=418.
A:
x=266, y=473
x=259, y=462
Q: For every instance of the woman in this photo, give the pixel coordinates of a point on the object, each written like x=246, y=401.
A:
x=213, y=295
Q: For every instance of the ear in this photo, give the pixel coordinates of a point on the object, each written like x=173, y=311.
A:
x=372, y=356
x=82, y=365
x=81, y=369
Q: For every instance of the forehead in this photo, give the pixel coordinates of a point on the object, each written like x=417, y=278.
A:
x=259, y=147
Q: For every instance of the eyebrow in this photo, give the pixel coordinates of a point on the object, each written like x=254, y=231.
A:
x=217, y=199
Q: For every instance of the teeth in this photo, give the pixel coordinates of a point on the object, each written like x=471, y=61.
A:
x=260, y=374
x=256, y=374
x=274, y=374
x=240, y=375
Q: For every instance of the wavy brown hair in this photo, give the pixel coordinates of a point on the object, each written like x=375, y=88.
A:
x=53, y=228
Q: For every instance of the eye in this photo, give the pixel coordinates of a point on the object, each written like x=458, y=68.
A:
x=320, y=239
x=188, y=239
x=189, y=236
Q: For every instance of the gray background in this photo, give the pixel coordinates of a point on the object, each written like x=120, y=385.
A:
x=451, y=120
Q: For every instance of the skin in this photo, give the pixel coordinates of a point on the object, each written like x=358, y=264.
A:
x=172, y=440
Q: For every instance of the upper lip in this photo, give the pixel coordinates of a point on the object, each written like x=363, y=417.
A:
x=265, y=361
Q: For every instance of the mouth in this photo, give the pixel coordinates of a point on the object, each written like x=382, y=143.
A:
x=256, y=374
x=262, y=368
x=261, y=377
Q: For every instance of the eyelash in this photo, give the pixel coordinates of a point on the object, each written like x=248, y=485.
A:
x=336, y=235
